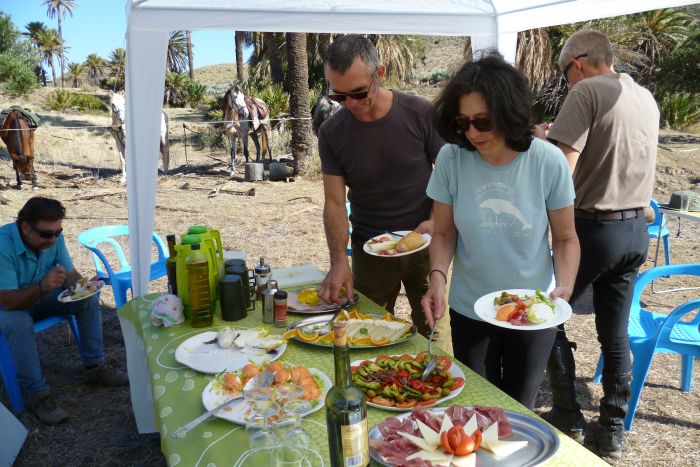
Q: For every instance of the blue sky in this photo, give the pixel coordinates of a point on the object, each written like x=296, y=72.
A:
x=99, y=26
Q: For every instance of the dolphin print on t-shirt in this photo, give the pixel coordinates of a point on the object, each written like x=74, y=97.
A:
x=502, y=206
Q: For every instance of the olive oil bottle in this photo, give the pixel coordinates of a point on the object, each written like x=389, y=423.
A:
x=201, y=312
x=346, y=409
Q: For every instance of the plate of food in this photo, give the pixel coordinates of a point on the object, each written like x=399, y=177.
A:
x=392, y=382
x=306, y=301
x=229, y=349
x=400, y=243
x=364, y=330
x=522, y=309
x=80, y=291
x=227, y=385
x=463, y=436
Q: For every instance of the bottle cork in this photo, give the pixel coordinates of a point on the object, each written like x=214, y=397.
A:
x=340, y=333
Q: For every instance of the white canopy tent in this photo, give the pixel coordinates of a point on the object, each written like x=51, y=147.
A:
x=490, y=23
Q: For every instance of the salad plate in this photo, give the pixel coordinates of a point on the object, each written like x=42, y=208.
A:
x=202, y=355
x=80, y=291
x=393, y=237
x=486, y=309
x=239, y=412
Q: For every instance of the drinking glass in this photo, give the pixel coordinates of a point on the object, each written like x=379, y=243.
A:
x=297, y=436
x=258, y=426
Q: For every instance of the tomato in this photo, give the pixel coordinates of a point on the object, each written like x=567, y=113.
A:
x=458, y=383
x=445, y=443
x=428, y=402
x=382, y=357
x=406, y=357
x=466, y=446
x=380, y=400
x=477, y=437
x=444, y=363
x=423, y=357
x=409, y=404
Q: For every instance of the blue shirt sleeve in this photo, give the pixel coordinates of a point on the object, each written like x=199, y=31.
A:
x=8, y=270
x=439, y=184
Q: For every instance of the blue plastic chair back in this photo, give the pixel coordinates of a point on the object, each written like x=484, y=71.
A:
x=119, y=276
x=658, y=230
x=7, y=367
x=650, y=333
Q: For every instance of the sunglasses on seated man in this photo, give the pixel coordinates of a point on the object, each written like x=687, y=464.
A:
x=358, y=96
x=481, y=124
x=47, y=234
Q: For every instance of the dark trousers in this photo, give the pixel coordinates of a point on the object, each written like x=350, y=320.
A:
x=380, y=278
x=611, y=254
x=512, y=360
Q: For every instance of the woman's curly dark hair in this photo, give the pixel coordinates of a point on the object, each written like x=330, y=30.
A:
x=507, y=95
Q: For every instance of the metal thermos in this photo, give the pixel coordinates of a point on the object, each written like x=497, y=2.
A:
x=268, y=302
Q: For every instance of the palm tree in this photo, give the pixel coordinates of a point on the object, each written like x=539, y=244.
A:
x=239, y=39
x=50, y=47
x=272, y=47
x=94, y=65
x=58, y=9
x=75, y=72
x=395, y=54
x=175, y=85
x=534, y=56
x=298, y=78
x=177, y=52
x=33, y=30
x=190, y=55
x=117, y=66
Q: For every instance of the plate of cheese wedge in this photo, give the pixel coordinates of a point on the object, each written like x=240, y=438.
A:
x=399, y=243
x=463, y=437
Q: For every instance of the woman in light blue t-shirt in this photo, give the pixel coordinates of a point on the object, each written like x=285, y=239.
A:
x=496, y=193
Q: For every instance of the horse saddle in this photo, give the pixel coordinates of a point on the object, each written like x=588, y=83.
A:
x=27, y=115
x=256, y=107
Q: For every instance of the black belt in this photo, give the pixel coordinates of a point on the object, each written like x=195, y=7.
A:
x=609, y=215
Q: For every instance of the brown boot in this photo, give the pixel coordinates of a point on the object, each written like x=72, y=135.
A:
x=561, y=370
x=45, y=409
x=105, y=375
x=613, y=408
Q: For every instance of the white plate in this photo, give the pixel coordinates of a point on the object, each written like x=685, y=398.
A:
x=454, y=372
x=486, y=310
x=212, y=358
x=426, y=236
x=64, y=297
x=238, y=411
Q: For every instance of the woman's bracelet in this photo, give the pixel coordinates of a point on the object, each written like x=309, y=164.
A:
x=437, y=270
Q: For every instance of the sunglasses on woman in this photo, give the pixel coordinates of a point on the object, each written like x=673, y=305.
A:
x=358, y=96
x=481, y=124
x=47, y=234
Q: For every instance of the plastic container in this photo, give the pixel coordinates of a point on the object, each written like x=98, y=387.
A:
x=183, y=250
x=210, y=239
x=200, y=301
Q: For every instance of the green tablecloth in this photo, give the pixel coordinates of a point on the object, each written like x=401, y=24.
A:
x=177, y=391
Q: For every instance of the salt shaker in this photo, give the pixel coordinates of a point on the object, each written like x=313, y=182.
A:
x=268, y=302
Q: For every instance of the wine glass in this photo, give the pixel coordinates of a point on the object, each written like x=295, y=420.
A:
x=258, y=427
x=285, y=393
x=297, y=436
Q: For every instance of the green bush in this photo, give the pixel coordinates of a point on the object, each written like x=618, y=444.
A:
x=88, y=103
x=17, y=75
x=194, y=94
x=59, y=100
x=679, y=110
x=680, y=71
x=276, y=99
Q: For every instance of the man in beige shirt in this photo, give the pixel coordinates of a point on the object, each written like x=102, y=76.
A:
x=608, y=130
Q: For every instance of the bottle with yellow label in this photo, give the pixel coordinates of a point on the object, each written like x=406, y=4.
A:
x=346, y=409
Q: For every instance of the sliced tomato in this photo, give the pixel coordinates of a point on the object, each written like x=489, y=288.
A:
x=380, y=400
x=458, y=383
x=408, y=404
x=427, y=402
x=444, y=363
x=445, y=443
x=382, y=357
x=422, y=357
x=406, y=357
x=477, y=437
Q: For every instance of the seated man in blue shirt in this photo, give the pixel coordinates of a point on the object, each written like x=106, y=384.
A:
x=34, y=269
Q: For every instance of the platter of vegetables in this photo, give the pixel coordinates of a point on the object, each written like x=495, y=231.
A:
x=392, y=382
x=522, y=309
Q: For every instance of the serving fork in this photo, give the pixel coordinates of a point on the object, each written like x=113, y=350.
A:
x=432, y=362
x=262, y=380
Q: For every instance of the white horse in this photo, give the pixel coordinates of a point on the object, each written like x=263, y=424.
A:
x=118, y=106
x=246, y=116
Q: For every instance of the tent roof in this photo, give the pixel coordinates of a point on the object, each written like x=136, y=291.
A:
x=490, y=23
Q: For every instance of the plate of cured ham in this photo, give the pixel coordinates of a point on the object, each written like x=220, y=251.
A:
x=522, y=309
x=439, y=435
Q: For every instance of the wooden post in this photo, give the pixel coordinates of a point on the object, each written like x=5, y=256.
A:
x=254, y=171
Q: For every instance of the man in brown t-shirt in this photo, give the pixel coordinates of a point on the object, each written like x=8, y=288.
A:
x=381, y=145
x=608, y=130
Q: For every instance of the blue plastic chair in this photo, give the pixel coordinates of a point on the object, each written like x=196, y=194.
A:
x=119, y=279
x=7, y=367
x=658, y=230
x=650, y=333
x=348, y=250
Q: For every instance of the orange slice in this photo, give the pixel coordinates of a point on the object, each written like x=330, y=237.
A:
x=354, y=315
x=382, y=341
x=308, y=337
x=362, y=341
x=326, y=340
x=292, y=333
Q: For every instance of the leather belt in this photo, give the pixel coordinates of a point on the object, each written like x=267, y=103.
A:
x=609, y=215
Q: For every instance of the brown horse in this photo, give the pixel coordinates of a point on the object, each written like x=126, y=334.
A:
x=246, y=116
x=18, y=136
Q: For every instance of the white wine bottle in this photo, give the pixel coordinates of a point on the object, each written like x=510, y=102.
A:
x=346, y=409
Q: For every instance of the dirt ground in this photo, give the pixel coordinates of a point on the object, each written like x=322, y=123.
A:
x=282, y=222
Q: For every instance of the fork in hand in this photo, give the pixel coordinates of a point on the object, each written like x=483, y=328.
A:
x=432, y=363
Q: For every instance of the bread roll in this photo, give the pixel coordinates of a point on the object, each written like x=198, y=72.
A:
x=410, y=242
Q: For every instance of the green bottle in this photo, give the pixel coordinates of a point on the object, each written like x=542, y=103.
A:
x=171, y=265
x=346, y=409
x=201, y=312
